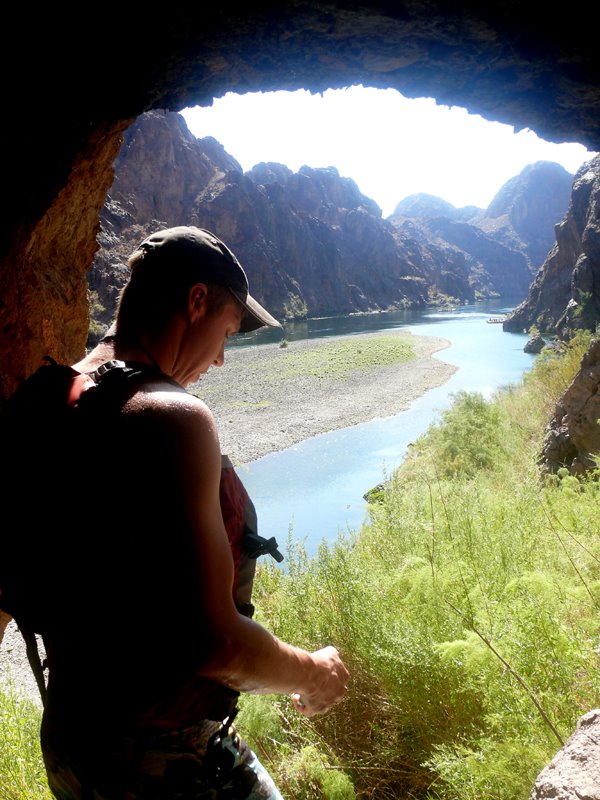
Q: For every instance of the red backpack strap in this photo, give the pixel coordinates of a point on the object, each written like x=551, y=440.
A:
x=233, y=498
x=81, y=383
x=239, y=517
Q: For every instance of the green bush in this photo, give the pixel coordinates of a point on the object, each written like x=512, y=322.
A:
x=22, y=773
x=466, y=609
x=469, y=437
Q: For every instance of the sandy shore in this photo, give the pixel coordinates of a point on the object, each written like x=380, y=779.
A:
x=255, y=419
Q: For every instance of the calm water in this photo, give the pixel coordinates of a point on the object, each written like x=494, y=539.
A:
x=315, y=488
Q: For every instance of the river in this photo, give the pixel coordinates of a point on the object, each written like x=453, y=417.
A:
x=315, y=489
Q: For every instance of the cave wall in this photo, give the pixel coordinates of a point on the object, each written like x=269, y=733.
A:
x=71, y=89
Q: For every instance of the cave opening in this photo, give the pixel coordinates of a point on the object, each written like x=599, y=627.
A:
x=392, y=146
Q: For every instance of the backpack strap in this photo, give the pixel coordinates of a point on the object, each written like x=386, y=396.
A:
x=240, y=519
x=55, y=389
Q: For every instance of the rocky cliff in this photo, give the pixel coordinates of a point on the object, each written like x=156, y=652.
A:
x=506, y=243
x=565, y=294
x=572, y=439
x=525, y=210
x=311, y=242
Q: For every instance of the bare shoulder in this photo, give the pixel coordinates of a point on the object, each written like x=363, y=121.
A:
x=171, y=405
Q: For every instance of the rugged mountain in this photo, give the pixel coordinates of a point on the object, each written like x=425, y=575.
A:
x=429, y=206
x=160, y=169
x=572, y=437
x=526, y=209
x=565, y=294
x=504, y=244
x=311, y=243
x=491, y=267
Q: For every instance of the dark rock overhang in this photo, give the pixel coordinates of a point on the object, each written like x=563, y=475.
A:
x=71, y=88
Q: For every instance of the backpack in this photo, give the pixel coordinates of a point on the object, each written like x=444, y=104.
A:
x=46, y=409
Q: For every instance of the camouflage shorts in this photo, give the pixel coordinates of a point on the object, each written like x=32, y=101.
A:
x=207, y=761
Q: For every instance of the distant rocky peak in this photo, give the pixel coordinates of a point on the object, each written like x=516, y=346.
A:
x=268, y=172
x=428, y=206
x=565, y=293
x=536, y=187
x=424, y=205
x=527, y=207
x=314, y=187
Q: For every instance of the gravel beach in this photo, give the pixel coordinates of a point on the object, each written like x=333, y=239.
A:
x=256, y=417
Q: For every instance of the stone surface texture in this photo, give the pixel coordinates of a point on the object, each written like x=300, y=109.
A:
x=311, y=242
x=573, y=437
x=88, y=84
x=565, y=294
x=574, y=772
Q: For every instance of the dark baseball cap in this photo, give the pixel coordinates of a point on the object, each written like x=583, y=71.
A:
x=212, y=262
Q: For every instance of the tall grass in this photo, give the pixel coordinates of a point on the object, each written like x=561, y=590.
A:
x=22, y=774
x=466, y=610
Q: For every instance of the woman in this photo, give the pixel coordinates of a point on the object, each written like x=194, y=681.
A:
x=148, y=651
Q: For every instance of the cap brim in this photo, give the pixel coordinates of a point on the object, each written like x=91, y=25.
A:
x=256, y=316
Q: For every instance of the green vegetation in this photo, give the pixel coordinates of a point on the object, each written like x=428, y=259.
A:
x=335, y=360
x=466, y=610
x=295, y=307
x=22, y=774
x=585, y=299
x=342, y=357
x=96, y=328
x=435, y=297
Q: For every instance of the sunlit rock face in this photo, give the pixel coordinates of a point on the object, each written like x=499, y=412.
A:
x=524, y=212
x=521, y=216
x=161, y=167
x=503, y=245
x=573, y=772
x=565, y=294
x=311, y=242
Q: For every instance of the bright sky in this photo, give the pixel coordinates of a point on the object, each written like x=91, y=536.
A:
x=389, y=145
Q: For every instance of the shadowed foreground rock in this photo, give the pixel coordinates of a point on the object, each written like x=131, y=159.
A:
x=536, y=71
x=574, y=772
x=573, y=437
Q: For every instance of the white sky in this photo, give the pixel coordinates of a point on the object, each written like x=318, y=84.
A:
x=389, y=145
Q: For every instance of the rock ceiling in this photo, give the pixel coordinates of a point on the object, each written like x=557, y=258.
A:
x=71, y=88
